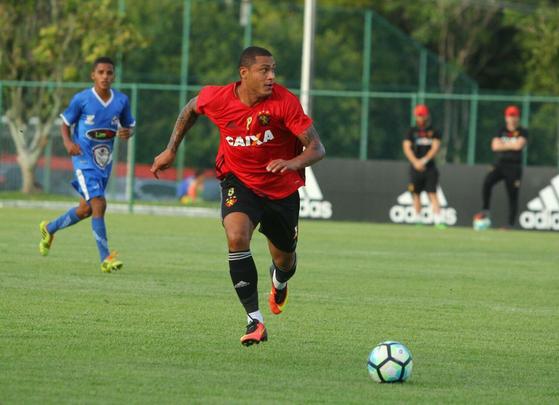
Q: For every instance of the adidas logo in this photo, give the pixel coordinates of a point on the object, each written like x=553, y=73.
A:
x=312, y=200
x=241, y=284
x=404, y=213
x=543, y=211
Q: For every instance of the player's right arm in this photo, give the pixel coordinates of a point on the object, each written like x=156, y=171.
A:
x=71, y=147
x=69, y=117
x=497, y=144
x=416, y=163
x=185, y=121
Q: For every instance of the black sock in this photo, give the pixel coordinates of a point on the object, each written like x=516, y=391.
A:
x=244, y=278
x=281, y=275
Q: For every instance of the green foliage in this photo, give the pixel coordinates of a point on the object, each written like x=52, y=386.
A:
x=505, y=47
x=47, y=40
x=166, y=328
x=540, y=44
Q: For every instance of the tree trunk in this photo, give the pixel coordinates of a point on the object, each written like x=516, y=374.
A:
x=28, y=183
x=29, y=151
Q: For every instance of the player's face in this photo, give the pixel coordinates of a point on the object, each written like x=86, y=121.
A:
x=512, y=121
x=260, y=76
x=421, y=120
x=103, y=76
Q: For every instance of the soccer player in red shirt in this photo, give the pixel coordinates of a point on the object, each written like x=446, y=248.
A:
x=266, y=141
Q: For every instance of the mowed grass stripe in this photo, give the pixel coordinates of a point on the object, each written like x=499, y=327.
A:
x=478, y=311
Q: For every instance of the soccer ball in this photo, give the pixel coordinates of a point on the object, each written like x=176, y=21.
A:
x=390, y=362
x=481, y=222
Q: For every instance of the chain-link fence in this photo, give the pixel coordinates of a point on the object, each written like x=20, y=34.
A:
x=366, y=83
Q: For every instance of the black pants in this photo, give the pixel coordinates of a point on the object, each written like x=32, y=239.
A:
x=511, y=173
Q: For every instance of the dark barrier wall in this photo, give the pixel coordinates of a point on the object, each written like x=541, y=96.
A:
x=344, y=189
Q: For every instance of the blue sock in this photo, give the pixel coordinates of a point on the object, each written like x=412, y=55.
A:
x=100, y=235
x=67, y=219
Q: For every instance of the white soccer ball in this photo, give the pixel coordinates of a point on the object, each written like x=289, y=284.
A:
x=481, y=223
x=390, y=362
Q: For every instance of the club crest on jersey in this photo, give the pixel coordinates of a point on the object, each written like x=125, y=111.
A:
x=89, y=119
x=231, y=197
x=264, y=118
x=100, y=134
x=114, y=121
x=250, y=140
x=102, y=155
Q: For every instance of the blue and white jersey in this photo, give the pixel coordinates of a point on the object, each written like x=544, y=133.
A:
x=96, y=123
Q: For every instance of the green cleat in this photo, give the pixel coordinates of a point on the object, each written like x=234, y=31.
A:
x=111, y=263
x=441, y=226
x=46, y=239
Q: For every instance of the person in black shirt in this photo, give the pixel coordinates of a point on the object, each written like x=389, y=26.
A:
x=508, y=146
x=421, y=145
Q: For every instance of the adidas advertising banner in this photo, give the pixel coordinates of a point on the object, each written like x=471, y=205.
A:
x=352, y=190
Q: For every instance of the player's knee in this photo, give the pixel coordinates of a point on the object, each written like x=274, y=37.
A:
x=285, y=261
x=238, y=241
x=83, y=211
x=98, y=206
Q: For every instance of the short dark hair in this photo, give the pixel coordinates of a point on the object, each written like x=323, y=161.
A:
x=248, y=56
x=102, y=59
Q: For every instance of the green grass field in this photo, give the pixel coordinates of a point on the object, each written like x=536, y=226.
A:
x=479, y=312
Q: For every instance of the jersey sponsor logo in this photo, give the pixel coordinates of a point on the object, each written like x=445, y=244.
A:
x=424, y=141
x=509, y=139
x=89, y=120
x=250, y=140
x=100, y=134
x=102, y=155
x=543, y=211
x=313, y=204
x=404, y=213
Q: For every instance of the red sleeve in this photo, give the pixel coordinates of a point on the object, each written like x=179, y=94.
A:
x=295, y=119
x=205, y=97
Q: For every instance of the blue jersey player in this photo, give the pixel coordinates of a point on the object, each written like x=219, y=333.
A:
x=98, y=115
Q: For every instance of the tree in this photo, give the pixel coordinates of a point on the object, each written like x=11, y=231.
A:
x=540, y=45
x=50, y=41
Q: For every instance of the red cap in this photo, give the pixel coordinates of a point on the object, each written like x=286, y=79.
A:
x=421, y=110
x=512, y=111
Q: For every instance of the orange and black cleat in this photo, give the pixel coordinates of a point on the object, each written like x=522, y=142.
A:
x=256, y=333
x=278, y=298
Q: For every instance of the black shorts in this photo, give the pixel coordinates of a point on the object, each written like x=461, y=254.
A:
x=426, y=180
x=278, y=219
x=511, y=172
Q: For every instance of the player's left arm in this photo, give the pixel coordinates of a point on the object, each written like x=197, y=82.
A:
x=314, y=151
x=124, y=133
x=125, y=130
x=518, y=144
x=430, y=155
